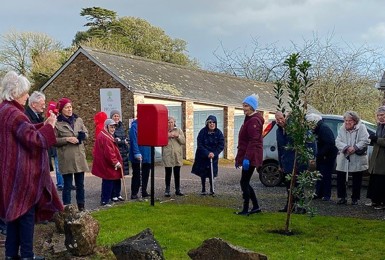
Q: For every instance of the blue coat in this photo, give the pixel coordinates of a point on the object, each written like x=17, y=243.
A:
x=208, y=142
x=145, y=151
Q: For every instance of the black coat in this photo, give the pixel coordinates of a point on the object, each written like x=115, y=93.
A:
x=121, y=137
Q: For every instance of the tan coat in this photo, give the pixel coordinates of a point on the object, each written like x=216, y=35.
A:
x=72, y=157
x=172, y=154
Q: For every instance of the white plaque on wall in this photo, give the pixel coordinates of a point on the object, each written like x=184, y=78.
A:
x=110, y=100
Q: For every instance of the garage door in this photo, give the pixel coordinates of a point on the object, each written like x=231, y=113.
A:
x=238, y=121
x=199, y=122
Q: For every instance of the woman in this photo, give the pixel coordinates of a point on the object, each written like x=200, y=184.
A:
x=70, y=134
x=107, y=161
x=250, y=152
x=211, y=143
x=172, y=156
x=26, y=188
x=122, y=141
x=377, y=163
x=351, y=138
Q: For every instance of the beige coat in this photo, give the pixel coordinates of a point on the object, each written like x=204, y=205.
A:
x=172, y=154
x=72, y=157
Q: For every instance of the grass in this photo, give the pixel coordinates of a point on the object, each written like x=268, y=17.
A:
x=181, y=227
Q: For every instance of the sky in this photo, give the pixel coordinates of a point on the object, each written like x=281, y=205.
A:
x=210, y=25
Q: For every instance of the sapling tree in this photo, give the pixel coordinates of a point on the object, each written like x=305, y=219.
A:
x=296, y=83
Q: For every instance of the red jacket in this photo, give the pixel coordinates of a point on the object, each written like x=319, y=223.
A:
x=250, y=141
x=106, y=156
x=25, y=179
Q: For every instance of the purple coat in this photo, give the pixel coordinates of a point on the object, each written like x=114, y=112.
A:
x=250, y=141
x=25, y=179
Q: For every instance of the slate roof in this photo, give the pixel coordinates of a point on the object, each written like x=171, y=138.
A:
x=166, y=80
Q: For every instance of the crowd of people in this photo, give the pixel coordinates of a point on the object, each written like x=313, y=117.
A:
x=60, y=137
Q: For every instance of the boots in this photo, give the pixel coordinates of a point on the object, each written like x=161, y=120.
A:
x=81, y=207
x=167, y=192
x=245, y=210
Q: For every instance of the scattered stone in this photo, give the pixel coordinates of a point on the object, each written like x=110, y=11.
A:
x=142, y=246
x=218, y=249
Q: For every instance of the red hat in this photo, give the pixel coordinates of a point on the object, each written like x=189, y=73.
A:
x=62, y=102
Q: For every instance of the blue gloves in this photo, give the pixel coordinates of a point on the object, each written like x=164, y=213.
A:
x=246, y=164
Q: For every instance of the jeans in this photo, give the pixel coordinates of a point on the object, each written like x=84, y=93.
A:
x=20, y=235
x=117, y=187
x=79, y=183
x=59, y=177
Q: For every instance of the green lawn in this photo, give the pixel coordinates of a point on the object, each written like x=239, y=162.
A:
x=181, y=227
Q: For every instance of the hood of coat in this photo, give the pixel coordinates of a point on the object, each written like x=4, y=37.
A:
x=211, y=118
x=99, y=118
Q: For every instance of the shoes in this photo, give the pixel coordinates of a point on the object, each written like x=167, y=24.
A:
x=326, y=198
x=134, y=197
x=167, y=194
x=145, y=194
x=203, y=193
x=105, y=204
x=379, y=207
x=115, y=199
x=343, y=201
x=284, y=209
x=212, y=193
x=242, y=213
x=316, y=197
x=73, y=187
x=354, y=202
x=371, y=204
x=178, y=193
x=255, y=210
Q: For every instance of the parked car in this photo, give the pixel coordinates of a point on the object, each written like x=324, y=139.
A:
x=269, y=174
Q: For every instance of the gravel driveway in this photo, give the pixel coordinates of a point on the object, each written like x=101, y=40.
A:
x=228, y=194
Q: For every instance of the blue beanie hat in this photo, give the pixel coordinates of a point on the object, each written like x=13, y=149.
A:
x=252, y=101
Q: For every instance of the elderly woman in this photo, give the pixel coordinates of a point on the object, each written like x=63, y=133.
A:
x=211, y=143
x=26, y=188
x=352, y=138
x=70, y=135
x=122, y=141
x=325, y=156
x=107, y=161
x=250, y=152
x=377, y=163
x=172, y=156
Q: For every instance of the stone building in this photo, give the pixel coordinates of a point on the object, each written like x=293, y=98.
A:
x=189, y=94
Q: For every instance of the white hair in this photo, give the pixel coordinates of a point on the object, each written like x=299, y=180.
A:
x=36, y=96
x=14, y=86
x=312, y=117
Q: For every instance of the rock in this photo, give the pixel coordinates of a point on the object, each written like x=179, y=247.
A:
x=81, y=231
x=69, y=212
x=142, y=246
x=218, y=249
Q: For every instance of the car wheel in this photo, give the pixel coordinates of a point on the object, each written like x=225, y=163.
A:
x=269, y=174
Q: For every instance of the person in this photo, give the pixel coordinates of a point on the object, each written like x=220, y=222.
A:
x=27, y=191
x=122, y=141
x=352, y=137
x=140, y=158
x=34, y=111
x=286, y=156
x=377, y=163
x=70, y=135
x=325, y=156
x=107, y=161
x=249, y=154
x=211, y=143
x=99, y=119
x=172, y=156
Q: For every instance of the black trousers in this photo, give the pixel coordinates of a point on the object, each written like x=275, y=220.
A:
x=356, y=187
x=248, y=192
x=140, y=178
x=168, y=172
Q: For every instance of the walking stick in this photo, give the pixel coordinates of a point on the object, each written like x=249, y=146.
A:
x=212, y=173
x=124, y=182
x=347, y=174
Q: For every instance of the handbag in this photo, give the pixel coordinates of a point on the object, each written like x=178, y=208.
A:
x=362, y=151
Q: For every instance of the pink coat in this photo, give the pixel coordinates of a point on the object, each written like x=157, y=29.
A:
x=106, y=156
x=25, y=179
x=250, y=141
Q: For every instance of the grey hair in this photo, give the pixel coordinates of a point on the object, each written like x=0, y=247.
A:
x=312, y=117
x=381, y=109
x=352, y=114
x=13, y=86
x=35, y=97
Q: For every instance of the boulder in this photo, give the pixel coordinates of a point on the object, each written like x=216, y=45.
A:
x=142, y=246
x=218, y=249
x=69, y=212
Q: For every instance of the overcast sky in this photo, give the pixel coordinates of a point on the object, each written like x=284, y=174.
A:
x=207, y=24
